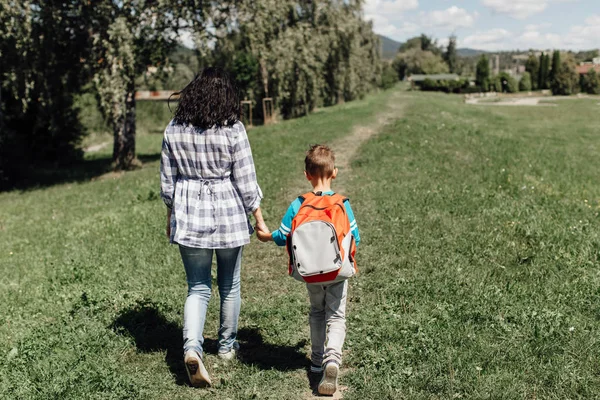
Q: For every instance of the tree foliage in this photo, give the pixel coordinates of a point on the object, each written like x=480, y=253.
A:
x=127, y=36
x=566, y=81
x=590, y=82
x=418, y=61
x=544, y=72
x=525, y=82
x=505, y=83
x=482, y=74
x=450, y=55
x=306, y=53
x=532, y=65
x=42, y=48
x=555, y=66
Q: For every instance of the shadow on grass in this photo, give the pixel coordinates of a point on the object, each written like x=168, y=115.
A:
x=81, y=171
x=152, y=332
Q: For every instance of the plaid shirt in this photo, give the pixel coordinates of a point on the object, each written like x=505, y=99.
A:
x=209, y=181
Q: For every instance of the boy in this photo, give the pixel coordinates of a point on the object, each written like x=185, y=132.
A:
x=327, y=301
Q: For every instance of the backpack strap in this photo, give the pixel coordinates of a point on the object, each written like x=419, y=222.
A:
x=306, y=196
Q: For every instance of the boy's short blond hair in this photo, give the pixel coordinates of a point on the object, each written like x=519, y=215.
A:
x=319, y=161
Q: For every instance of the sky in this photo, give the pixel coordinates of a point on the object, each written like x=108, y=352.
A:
x=492, y=24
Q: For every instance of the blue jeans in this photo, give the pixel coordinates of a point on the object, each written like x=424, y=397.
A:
x=197, y=263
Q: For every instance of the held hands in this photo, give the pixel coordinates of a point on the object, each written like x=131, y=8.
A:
x=262, y=232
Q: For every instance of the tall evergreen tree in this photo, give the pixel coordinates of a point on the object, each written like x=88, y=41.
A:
x=450, y=55
x=544, y=71
x=555, y=66
x=532, y=65
x=482, y=74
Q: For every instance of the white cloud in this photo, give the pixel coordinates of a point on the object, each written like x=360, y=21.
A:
x=578, y=37
x=384, y=26
x=486, y=40
x=450, y=18
x=391, y=9
x=386, y=15
x=517, y=8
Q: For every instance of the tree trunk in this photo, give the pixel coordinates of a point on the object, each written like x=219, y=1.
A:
x=265, y=76
x=124, y=131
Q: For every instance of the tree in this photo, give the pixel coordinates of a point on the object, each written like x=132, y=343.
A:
x=417, y=61
x=127, y=37
x=42, y=43
x=555, y=66
x=544, y=71
x=525, y=82
x=318, y=53
x=532, y=66
x=566, y=81
x=422, y=42
x=591, y=82
x=389, y=77
x=482, y=74
x=450, y=55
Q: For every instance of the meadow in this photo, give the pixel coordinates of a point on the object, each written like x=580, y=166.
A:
x=479, y=263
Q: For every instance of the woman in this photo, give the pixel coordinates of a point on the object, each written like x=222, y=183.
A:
x=208, y=183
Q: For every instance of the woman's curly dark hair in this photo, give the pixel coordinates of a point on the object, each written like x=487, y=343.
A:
x=211, y=99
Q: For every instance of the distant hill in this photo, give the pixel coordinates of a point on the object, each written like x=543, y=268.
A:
x=389, y=47
x=465, y=52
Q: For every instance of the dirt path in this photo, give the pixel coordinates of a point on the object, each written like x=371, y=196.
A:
x=347, y=147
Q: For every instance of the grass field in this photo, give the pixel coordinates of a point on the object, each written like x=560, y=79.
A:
x=479, y=265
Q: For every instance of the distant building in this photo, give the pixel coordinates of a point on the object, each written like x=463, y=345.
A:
x=584, y=68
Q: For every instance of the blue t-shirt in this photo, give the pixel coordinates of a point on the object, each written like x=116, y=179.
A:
x=280, y=235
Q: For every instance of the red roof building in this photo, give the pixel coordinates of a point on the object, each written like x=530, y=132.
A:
x=583, y=69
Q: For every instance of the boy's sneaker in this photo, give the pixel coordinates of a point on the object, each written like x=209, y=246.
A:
x=195, y=369
x=328, y=384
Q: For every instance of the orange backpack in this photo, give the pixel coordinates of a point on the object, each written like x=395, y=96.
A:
x=320, y=244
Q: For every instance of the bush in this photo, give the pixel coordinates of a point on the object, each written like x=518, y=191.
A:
x=389, y=77
x=505, y=83
x=590, y=82
x=525, y=82
x=430, y=85
x=566, y=81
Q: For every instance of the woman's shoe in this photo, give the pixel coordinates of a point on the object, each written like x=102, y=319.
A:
x=328, y=384
x=195, y=369
x=231, y=353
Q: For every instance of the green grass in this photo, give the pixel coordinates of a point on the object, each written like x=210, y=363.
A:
x=478, y=265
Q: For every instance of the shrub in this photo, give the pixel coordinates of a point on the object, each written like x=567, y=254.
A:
x=525, y=82
x=444, y=86
x=566, y=81
x=389, y=77
x=505, y=83
x=590, y=82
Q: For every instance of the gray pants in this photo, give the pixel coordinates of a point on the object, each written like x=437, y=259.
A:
x=327, y=321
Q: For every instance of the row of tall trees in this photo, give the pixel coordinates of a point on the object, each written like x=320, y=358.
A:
x=559, y=75
x=302, y=54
